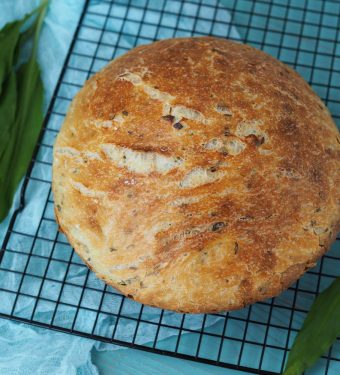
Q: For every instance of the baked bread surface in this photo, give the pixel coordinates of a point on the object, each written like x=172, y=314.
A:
x=198, y=175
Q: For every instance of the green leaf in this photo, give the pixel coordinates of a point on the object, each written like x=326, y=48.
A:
x=319, y=331
x=25, y=128
x=8, y=102
x=18, y=153
x=12, y=40
x=9, y=37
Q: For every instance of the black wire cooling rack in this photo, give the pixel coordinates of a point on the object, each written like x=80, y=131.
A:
x=43, y=282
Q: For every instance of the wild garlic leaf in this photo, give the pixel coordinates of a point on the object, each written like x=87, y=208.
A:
x=25, y=128
x=13, y=42
x=9, y=37
x=8, y=102
x=320, y=329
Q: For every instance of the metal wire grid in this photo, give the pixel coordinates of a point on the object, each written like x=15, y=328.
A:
x=38, y=260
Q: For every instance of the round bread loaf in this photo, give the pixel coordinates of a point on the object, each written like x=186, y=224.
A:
x=198, y=175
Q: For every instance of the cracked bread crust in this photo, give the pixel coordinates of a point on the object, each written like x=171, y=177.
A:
x=198, y=175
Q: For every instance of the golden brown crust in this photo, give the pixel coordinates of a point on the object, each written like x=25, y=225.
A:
x=198, y=175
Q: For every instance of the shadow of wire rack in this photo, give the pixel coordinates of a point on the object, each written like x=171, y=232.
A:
x=39, y=271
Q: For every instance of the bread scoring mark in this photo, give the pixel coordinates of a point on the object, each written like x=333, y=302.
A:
x=156, y=94
x=234, y=146
x=186, y=200
x=231, y=145
x=314, y=227
x=86, y=191
x=92, y=155
x=180, y=111
x=100, y=123
x=142, y=162
x=265, y=151
x=215, y=144
x=134, y=78
x=129, y=266
x=245, y=128
x=151, y=91
x=77, y=155
x=200, y=176
x=70, y=152
x=220, y=52
x=223, y=109
x=177, y=111
x=118, y=118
